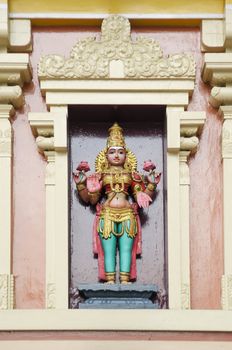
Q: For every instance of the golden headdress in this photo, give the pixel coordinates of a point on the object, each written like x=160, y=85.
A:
x=115, y=139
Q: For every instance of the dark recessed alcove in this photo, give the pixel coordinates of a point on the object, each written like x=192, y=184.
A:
x=144, y=131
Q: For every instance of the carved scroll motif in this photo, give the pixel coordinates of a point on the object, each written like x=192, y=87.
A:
x=3, y=292
x=141, y=58
x=227, y=139
x=5, y=141
x=6, y=292
x=185, y=296
x=227, y=292
x=51, y=296
x=184, y=168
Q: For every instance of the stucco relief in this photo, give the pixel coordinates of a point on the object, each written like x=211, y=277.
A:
x=3, y=292
x=227, y=292
x=6, y=292
x=5, y=141
x=185, y=296
x=189, y=143
x=141, y=58
x=45, y=143
x=184, y=168
x=227, y=139
x=51, y=295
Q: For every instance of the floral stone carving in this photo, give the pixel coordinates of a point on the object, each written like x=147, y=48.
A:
x=141, y=58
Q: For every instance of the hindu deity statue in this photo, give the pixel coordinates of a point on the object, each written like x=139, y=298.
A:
x=117, y=189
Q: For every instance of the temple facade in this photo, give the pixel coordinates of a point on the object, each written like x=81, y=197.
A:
x=68, y=71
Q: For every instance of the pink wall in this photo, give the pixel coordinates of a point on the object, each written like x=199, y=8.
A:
x=29, y=170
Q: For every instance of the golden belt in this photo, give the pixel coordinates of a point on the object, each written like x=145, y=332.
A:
x=117, y=215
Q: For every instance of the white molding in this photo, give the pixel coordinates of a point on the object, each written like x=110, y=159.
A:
x=155, y=85
x=130, y=320
x=62, y=15
x=112, y=98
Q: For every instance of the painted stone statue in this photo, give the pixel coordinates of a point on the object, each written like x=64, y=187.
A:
x=117, y=190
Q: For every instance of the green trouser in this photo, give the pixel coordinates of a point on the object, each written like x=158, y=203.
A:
x=109, y=245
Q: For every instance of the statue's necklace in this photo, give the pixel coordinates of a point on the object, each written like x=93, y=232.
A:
x=117, y=182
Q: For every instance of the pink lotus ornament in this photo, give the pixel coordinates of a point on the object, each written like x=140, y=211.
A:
x=148, y=166
x=83, y=166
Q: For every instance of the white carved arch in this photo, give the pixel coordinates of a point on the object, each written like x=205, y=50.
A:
x=141, y=59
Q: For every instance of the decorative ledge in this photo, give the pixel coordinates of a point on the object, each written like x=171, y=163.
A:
x=20, y=35
x=130, y=320
x=212, y=35
x=217, y=68
x=15, y=69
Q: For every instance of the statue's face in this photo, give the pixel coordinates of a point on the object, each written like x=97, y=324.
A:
x=116, y=155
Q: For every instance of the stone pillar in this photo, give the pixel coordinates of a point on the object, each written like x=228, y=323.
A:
x=227, y=205
x=45, y=143
x=50, y=230
x=173, y=208
x=188, y=144
x=61, y=207
x=184, y=229
x=50, y=130
x=183, y=128
x=6, y=277
x=190, y=128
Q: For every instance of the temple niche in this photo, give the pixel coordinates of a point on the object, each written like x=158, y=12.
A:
x=144, y=132
x=117, y=79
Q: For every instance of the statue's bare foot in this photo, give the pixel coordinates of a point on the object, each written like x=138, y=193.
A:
x=110, y=282
x=126, y=282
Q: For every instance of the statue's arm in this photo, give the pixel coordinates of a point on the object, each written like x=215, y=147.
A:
x=80, y=178
x=143, y=193
x=139, y=190
x=152, y=181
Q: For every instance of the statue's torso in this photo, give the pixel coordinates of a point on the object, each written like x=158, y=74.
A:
x=116, y=186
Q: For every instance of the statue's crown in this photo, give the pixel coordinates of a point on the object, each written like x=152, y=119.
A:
x=116, y=138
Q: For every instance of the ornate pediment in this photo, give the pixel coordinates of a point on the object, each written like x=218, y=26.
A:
x=138, y=59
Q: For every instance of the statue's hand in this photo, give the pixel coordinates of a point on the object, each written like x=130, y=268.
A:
x=154, y=178
x=143, y=199
x=79, y=177
x=93, y=183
